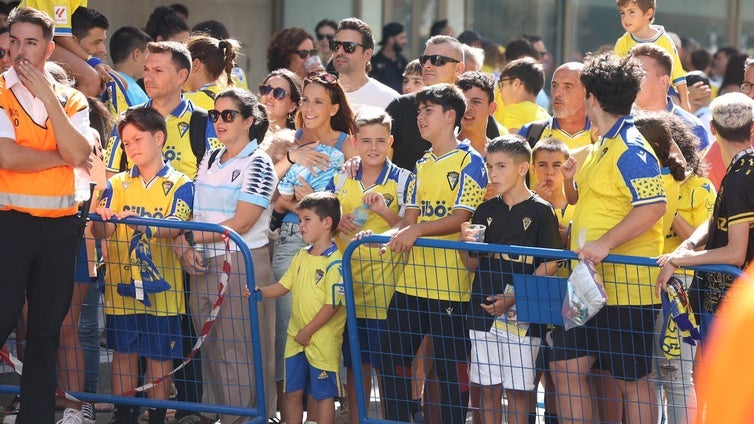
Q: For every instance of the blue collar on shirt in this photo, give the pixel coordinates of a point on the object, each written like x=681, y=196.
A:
x=618, y=126
x=183, y=106
x=327, y=252
x=381, y=179
x=556, y=124
x=163, y=172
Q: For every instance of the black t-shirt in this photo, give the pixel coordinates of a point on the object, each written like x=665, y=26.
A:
x=387, y=71
x=529, y=223
x=734, y=204
x=408, y=145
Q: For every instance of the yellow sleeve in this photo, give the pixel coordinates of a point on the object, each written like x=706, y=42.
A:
x=702, y=203
x=623, y=45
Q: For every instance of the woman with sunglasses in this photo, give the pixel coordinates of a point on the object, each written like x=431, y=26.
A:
x=280, y=93
x=325, y=120
x=291, y=48
x=211, y=58
x=234, y=187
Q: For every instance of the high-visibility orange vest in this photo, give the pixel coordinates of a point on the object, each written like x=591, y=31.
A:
x=48, y=193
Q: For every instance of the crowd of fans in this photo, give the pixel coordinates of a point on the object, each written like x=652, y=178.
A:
x=642, y=149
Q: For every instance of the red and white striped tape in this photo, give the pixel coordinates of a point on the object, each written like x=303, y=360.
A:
x=18, y=366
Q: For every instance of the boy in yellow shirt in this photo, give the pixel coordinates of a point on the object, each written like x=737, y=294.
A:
x=315, y=331
x=636, y=17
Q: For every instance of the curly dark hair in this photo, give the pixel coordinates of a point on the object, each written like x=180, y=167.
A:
x=282, y=45
x=164, y=23
x=653, y=127
x=613, y=81
x=688, y=142
x=296, y=88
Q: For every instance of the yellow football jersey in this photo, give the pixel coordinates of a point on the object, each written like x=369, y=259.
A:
x=177, y=149
x=458, y=179
x=373, y=275
x=661, y=39
x=316, y=282
x=59, y=11
x=621, y=172
x=168, y=196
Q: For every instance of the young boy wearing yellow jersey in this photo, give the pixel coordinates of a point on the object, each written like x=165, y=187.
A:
x=432, y=295
x=382, y=188
x=144, y=324
x=636, y=17
x=315, y=331
x=504, y=350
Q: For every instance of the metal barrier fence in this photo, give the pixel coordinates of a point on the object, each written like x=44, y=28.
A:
x=522, y=339
x=227, y=324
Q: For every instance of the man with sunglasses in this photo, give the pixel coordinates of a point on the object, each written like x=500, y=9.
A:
x=442, y=61
x=5, y=61
x=325, y=32
x=388, y=64
x=352, y=49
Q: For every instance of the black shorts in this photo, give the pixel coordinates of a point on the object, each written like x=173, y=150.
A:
x=620, y=338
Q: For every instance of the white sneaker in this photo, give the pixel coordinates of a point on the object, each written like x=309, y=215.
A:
x=11, y=417
x=87, y=409
x=72, y=416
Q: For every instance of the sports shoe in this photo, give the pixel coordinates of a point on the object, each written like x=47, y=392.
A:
x=72, y=416
x=10, y=418
x=87, y=409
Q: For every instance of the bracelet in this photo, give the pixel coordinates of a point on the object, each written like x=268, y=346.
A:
x=189, y=236
x=674, y=265
x=93, y=61
x=288, y=156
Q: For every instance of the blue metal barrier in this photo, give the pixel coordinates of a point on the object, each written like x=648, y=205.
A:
x=258, y=413
x=538, y=299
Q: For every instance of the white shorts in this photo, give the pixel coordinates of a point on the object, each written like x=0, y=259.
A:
x=500, y=357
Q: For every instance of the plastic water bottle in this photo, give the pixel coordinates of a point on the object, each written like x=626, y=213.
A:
x=360, y=215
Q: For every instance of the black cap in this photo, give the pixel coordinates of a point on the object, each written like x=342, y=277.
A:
x=390, y=30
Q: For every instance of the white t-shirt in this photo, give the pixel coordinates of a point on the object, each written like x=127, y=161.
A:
x=373, y=93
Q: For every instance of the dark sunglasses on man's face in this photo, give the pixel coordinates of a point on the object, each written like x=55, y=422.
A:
x=277, y=92
x=323, y=36
x=348, y=46
x=436, y=59
x=4, y=52
x=303, y=54
x=228, y=115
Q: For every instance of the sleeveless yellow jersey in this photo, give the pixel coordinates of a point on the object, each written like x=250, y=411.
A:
x=621, y=172
x=316, y=282
x=168, y=196
x=373, y=275
x=455, y=180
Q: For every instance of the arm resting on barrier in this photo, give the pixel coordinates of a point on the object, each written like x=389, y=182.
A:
x=637, y=221
x=243, y=219
x=405, y=238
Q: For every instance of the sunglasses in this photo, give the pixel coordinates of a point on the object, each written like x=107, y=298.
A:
x=277, y=92
x=323, y=36
x=436, y=59
x=303, y=54
x=321, y=77
x=228, y=115
x=4, y=52
x=502, y=80
x=348, y=46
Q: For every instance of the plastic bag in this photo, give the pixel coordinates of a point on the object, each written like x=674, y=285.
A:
x=586, y=295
